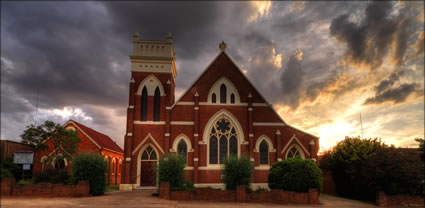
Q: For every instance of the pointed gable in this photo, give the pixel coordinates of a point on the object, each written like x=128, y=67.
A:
x=98, y=138
x=221, y=66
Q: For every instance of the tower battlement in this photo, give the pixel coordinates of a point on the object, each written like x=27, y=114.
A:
x=153, y=55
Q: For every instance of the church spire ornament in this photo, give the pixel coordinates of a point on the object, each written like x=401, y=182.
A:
x=222, y=46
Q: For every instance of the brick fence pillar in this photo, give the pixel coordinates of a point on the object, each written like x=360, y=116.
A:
x=164, y=190
x=240, y=193
x=381, y=199
x=6, y=186
x=313, y=196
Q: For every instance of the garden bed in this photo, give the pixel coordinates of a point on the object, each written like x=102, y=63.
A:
x=239, y=195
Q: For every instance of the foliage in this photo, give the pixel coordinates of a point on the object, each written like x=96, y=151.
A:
x=395, y=171
x=325, y=162
x=295, y=174
x=360, y=167
x=24, y=182
x=348, y=158
x=237, y=171
x=171, y=169
x=90, y=167
x=59, y=137
x=7, y=166
x=5, y=173
x=52, y=176
x=111, y=188
x=421, y=147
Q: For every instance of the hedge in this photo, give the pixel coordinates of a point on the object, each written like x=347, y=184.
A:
x=237, y=171
x=171, y=169
x=91, y=167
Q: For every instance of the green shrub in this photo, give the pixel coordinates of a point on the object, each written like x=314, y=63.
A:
x=295, y=174
x=5, y=173
x=90, y=167
x=52, y=176
x=7, y=165
x=171, y=169
x=24, y=182
x=237, y=171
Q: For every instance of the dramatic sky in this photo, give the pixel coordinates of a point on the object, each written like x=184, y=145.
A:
x=320, y=63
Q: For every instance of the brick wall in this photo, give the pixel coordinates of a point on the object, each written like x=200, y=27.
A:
x=384, y=200
x=239, y=195
x=8, y=188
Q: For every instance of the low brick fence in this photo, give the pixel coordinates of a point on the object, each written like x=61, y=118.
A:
x=239, y=195
x=384, y=200
x=9, y=188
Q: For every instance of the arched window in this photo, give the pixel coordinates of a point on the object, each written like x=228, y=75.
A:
x=213, y=98
x=120, y=167
x=232, y=98
x=182, y=149
x=149, y=154
x=223, y=95
x=293, y=152
x=113, y=166
x=144, y=104
x=156, y=104
x=228, y=143
x=264, y=153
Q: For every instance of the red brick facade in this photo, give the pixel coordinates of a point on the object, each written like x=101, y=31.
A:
x=91, y=141
x=193, y=116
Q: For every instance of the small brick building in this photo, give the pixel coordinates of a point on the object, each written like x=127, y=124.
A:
x=220, y=114
x=91, y=141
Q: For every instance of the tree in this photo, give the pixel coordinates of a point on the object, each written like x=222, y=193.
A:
x=60, y=138
x=421, y=147
x=237, y=171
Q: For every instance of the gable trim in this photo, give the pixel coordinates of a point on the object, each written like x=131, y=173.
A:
x=91, y=139
x=300, y=144
x=144, y=140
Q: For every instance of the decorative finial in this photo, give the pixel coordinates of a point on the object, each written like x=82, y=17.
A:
x=136, y=36
x=169, y=37
x=132, y=80
x=222, y=46
x=196, y=94
x=277, y=132
x=312, y=142
x=168, y=81
x=249, y=95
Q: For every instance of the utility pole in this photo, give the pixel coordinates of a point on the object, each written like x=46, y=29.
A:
x=36, y=110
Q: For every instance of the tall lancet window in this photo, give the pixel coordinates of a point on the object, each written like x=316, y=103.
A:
x=144, y=110
x=223, y=94
x=264, y=153
x=213, y=98
x=232, y=98
x=182, y=149
x=156, y=104
x=223, y=141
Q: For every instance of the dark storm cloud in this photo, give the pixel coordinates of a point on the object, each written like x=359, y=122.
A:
x=395, y=95
x=292, y=81
x=389, y=90
x=369, y=40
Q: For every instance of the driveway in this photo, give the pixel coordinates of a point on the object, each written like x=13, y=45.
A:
x=143, y=198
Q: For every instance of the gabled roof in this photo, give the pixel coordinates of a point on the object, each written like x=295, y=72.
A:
x=101, y=140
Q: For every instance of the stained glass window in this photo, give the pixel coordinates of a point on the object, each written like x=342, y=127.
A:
x=182, y=148
x=144, y=110
x=223, y=94
x=293, y=152
x=156, y=105
x=223, y=130
x=149, y=154
x=264, y=153
x=213, y=150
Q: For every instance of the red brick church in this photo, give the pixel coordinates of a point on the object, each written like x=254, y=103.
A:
x=220, y=114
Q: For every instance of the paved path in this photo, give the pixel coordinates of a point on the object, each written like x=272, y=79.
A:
x=143, y=198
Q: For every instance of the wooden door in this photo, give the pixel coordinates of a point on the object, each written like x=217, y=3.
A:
x=147, y=168
x=148, y=176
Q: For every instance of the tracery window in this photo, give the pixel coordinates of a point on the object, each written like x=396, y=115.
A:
x=223, y=93
x=293, y=152
x=227, y=145
x=149, y=154
x=144, y=105
x=182, y=149
x=264, y=153
x=156, y=105
x=59, y=163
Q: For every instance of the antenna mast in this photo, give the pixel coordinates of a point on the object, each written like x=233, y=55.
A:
x=361, y=123
x=36, y=110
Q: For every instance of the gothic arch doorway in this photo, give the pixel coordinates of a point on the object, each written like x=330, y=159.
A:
x=148, y=163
